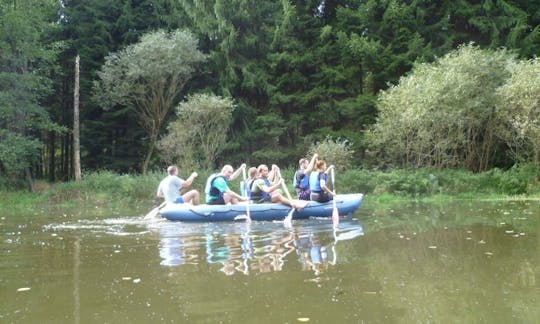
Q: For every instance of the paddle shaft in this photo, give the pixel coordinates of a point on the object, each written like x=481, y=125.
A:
x=153, y=213
x=247, y=195
x=286, y=190
x=335, y=212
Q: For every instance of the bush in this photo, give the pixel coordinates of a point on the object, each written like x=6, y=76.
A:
x=337, y=152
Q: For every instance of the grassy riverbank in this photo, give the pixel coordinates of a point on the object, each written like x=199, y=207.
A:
x=108, y=192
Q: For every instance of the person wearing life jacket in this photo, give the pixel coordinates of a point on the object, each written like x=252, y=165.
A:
x=266, y=187
x=169, y=188
x=217, y=189
x=318, y=180
x=301, y=178
x=252, y=176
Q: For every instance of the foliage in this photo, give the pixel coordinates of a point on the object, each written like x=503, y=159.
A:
x=199, y=133
x=520, y=109
x=424, y=182
x=149, y=76
x=298, y=70
x=337, y=152
x=26, y=61
x=106, y=188
x=443, y=114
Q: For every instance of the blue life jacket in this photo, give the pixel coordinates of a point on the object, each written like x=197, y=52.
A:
x=315, y=180
x=301, y=180
x=261, y=195
x=248, y=185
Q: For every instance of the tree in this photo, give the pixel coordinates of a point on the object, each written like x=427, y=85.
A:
x=110, y=139
x=444, y=114
x=198, y=136
x=520, y=109
x=149, y=76
x=26, y=60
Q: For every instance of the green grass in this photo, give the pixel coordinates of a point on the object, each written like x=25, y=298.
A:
x=109, y=191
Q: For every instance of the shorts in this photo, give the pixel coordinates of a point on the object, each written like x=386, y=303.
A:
x=321, y=197
x=217, y=201
x=263, y=200
x=179, y=200
x=303, y=194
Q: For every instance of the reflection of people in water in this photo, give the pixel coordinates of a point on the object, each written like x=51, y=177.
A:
x=177, y=249
x=312, y=254
x=276, y=249
x=242, y=251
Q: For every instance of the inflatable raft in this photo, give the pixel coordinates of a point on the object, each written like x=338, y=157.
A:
x=346, y=205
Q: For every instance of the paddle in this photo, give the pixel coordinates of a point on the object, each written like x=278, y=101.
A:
x=335, y=212
x=246, y=194
x=287, y=219
x=154, y=212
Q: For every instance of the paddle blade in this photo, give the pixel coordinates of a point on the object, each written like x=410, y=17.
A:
x=335, y=215
x=288, y=219
x=152, y=214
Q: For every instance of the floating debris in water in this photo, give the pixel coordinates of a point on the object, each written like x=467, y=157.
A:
x=23, y=289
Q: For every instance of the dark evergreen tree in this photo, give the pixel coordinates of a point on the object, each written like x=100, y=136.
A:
x=109, y=139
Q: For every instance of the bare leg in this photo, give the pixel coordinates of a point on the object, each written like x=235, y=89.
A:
x=278, y=198
x=192, y=197
x=230, y=198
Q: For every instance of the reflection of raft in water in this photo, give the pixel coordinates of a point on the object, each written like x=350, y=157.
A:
x=346, y=205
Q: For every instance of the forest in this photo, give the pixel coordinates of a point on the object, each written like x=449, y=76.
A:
x=200, y=83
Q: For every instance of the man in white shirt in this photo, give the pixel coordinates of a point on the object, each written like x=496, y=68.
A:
x=169, y=188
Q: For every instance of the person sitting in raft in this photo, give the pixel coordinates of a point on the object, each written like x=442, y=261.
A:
x=218, y=192
x=252, y=176
x=263, y=189
x=301, y=178
x=169, y=188
x=318, y=180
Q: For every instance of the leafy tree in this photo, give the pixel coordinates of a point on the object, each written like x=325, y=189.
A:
x=26, y=59
x=338, y=152
x=520, y=108
x=110, y=139
x=149, y=76
x=444, y=114
x=199, y=133
x=237, y=35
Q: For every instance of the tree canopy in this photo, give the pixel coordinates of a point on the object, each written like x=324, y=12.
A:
x=26, y=62
x=298, y=72
x=149, y=76
x=473, y=108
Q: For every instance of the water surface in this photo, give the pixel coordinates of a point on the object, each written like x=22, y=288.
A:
x=474, y=262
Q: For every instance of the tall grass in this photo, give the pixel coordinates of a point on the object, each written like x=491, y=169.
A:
x=106, y=189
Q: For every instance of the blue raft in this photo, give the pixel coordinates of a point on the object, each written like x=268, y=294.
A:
x=346, y=205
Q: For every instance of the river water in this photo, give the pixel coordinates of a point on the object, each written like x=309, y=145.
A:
x=466, y=261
